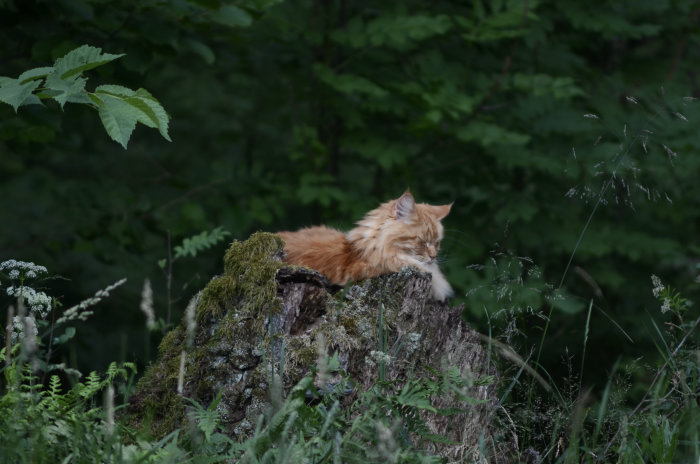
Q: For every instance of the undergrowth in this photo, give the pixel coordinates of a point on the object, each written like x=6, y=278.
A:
x=52, y=413
x=76, y=418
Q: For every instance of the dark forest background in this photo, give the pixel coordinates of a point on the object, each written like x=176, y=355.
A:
x=532, y=116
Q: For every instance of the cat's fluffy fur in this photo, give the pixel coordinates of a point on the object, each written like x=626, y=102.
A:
x=398, y=233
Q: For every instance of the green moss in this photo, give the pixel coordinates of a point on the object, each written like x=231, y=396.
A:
x=261, y=247
x=214, y=297
x=171, y=342
x=248, y=282
x=301, y=351
x=238, y=302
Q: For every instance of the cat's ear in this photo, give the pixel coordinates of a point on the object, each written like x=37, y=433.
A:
x=405, y=207
x=441, y=211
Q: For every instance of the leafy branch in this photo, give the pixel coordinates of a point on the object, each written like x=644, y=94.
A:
x=119, y=108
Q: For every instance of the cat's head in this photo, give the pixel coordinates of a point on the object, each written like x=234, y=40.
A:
x=417, y=230
x=404, y=228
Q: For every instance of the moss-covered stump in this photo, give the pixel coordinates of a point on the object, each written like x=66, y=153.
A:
x=261, y=309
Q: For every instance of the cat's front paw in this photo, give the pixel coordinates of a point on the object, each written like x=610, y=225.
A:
x=441, y=287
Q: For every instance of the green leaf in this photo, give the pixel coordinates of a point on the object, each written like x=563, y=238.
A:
x=145, y=109
x=546, y=85
x=201, y=49
x=380, y=150
x=232, y=16
x=161, y=117
x=67, y=335
x=318, y=187
x=118, y=117
x=36, y=73
x=16, y=94
x=488, y=134
x=82, y=59
x=115, y=90
x=348, y=83
x=391, y=30
x=202, y=241
x=63, y=90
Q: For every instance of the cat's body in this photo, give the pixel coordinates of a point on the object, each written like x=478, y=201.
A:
x=396, y=234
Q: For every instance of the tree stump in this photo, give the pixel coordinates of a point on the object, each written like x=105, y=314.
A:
x=261, y=309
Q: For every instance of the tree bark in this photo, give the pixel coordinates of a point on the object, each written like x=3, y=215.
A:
x=262, y=315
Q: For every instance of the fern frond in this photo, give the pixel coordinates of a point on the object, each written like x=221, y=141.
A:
x=200, y=242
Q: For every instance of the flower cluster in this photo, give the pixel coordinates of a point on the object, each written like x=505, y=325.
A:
x=412, y=341
x=18, y=326
x=21, y=269
x=665, y=306
x=147, y=304
x=80, y=310
x=38, y=302
x=658, y=286
x=659, y=290
x=376, y=357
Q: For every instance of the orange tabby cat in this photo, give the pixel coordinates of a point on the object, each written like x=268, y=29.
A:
x=398, y=233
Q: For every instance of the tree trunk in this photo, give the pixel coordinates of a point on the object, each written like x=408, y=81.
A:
x=261, y=310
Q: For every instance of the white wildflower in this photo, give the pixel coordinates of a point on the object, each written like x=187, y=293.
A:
x=412, y=342
x=80, y=310
x=666, y=306
x=19, y=328
x=147, y=304
x=109, y=410
x=17, y=269
x=181, y=373
x=29, y=345
x=190, y=320
x=38, y=302
x=380, y=357
x=658, y=286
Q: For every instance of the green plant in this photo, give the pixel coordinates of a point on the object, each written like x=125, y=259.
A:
x=386, y=423
x=314, y=422
x=190, y=247
x=119, y=108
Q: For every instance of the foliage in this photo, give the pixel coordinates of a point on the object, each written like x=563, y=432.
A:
x=119, y=108
x=565, y=132
x=574, y=423
x=202, y=241
x=54, y=423
x=289, y=114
